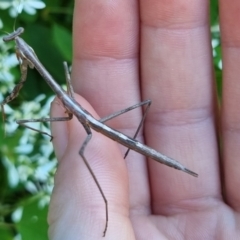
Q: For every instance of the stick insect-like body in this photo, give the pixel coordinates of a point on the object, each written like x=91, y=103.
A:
x=27, y=58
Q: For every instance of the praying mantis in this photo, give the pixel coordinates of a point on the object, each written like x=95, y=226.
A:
x=28, y=59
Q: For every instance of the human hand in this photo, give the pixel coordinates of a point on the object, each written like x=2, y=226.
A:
x=125, y=52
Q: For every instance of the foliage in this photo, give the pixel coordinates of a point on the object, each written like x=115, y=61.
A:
x=27, y=162
x=217, y=55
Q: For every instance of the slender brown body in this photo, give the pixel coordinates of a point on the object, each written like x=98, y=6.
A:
x=28, y=58
x=86, y=118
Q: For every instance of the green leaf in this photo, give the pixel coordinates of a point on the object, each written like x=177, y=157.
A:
x=63, y=40
x=5, y=233
x=33, y=224
x=3, y=180
x=50, y=56
x=214, y=11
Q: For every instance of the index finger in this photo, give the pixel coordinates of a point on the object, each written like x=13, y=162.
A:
x=106, y=72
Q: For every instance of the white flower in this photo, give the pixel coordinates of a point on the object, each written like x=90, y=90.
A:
x=6, y=63
x=17, y=6
x=5, y=4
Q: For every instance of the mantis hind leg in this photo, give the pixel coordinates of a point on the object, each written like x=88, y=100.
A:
x=81, y=153
x=143, y=103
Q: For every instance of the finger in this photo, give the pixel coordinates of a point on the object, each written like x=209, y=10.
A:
x=77, y=207
x=105, y=67
x=230, y=34
x=59, y=129
x=177, y=74
x=105, y=71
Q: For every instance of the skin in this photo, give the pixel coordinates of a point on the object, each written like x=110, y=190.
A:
x=126, y=51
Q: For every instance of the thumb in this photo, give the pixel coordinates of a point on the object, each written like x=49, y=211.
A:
x=77, y=209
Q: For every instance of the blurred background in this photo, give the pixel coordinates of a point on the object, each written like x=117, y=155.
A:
x=27, y=161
